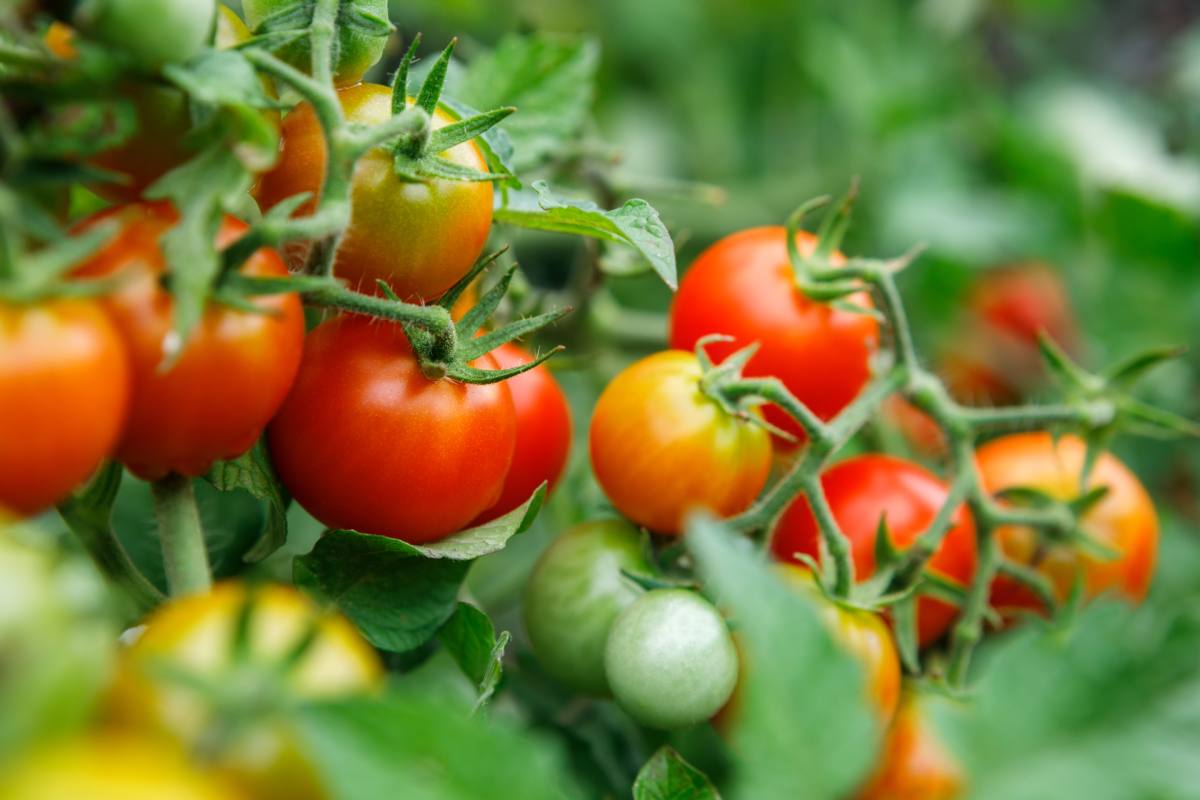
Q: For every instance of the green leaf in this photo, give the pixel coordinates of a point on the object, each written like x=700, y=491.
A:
x=635, y=224
x=486, y=538
x=666, y=776
x=803, y=721
x=254, y=472
x=419, y=749
x=472, y=641
x=551, y=81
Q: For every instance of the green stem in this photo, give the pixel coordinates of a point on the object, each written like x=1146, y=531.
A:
x=181, y=534
x=969, y=628
x=835, y=542
x=1029, y=418
x=433, y=318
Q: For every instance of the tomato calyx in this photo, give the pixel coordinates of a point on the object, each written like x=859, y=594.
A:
x=724, y=384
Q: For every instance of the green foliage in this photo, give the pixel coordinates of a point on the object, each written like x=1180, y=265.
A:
x=667, y=776
x=475, y=647
x=254, y=472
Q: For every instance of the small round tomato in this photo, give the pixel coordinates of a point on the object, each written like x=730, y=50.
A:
x=670, y=659
x=152, y=33
x=366, y=442
x=743, y=286
x=190, y=680
x=213, y=401
x=866, y=489
x=1024, y=301
x=575, y=592
x=110, y=766
x=1124, y=520
x=543, y=430
x=418, y=237
x=660, y=447
x=64, y=392
x=354, y=52
x=913, y=765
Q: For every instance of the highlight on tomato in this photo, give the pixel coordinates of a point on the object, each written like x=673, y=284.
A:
x=662, y=447
x=744, y=287
x=366, y=442
x=863, y=491
x=1124, y=520
x=211, y=401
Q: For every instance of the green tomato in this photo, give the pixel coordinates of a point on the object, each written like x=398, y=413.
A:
x=354, y=51
x=670, y=659
x=574, y=594
x=152, y=32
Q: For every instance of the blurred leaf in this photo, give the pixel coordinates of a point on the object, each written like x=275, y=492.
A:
x=254, y=472
x=471, y=639
x=667, y=776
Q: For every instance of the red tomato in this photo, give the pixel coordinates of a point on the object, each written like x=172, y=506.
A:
x=419, y=237
x=913, y=765
x=861, y=491
x=1124, y=520
x=743, y=286
x=235, y=369
x=660, y=447
x=1024, y=301
x=543, y=430
x=64, y=392
x=366, y=442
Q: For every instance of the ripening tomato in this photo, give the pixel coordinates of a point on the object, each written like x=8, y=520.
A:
x=354, y=51
x=1024, y=301
x=914, y=765
x=419, y=237
x=233, y=372
x=660, y=447
x=862, y=491
x=743, y=286
x=64, y=393
x=1124, y=520
x=366, y=442
x=543, y=430
x=196, y=637
x=109, y=766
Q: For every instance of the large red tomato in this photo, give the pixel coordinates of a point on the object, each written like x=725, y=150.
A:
x=366, y=442
x=64, y=391
x=1124, y=520
x=743, y=286
x=867, y=488
x=543, y=430
x=419, y=237
x=235, y=369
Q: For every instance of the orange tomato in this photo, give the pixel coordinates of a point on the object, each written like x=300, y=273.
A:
x=913, y=765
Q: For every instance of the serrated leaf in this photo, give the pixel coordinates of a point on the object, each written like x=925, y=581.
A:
x=667, y=776
x=635, y=224
x=254, y=472
x=471, y=640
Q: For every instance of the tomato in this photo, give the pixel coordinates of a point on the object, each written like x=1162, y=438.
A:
x=195, y=637
x=670, y=659
x=235, y=369
x=1023, y=301
x=366, y=442
x=354, y=52
x=914, y=765
x=743, y=286
x=419, y=237
x=575, y=592
x=660, y=447
x=861, y=491
x=1124, y=520
x=64, y=393
x=152, y=33
x=110, y=767
x=543, y=430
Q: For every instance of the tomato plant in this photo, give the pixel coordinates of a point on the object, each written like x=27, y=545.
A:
x=427, y=456
x=575, y=592
x=178, y=420
x=868, y=491
x=661, y=447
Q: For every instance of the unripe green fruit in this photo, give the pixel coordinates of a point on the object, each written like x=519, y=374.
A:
x=354, y=51
x=152, y=32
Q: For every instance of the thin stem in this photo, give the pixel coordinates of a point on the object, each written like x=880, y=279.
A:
x=969, y=628
x=434, y=319
x=321, y=33
x=892, y=308
x=185, y=555
x=773, y=391
x=831, y=534
x=1031, y=417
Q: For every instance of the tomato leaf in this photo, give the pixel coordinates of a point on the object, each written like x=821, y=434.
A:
x=666, y=776
x=486, y=538
x=254, y=472
x=635, y=224
x=472, y=641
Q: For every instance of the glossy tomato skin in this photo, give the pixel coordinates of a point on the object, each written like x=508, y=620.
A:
x=743, y=286
x=914, y=765
x=543, y=430
x=64, y=394
x=862, y=489
x=195, y=635
x=670, y=659
x=574, y=594
x=234, y=370
x=366, y=442
x=354, y=51
x=419, y=237
x=1125, y=520
x=661, y=448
